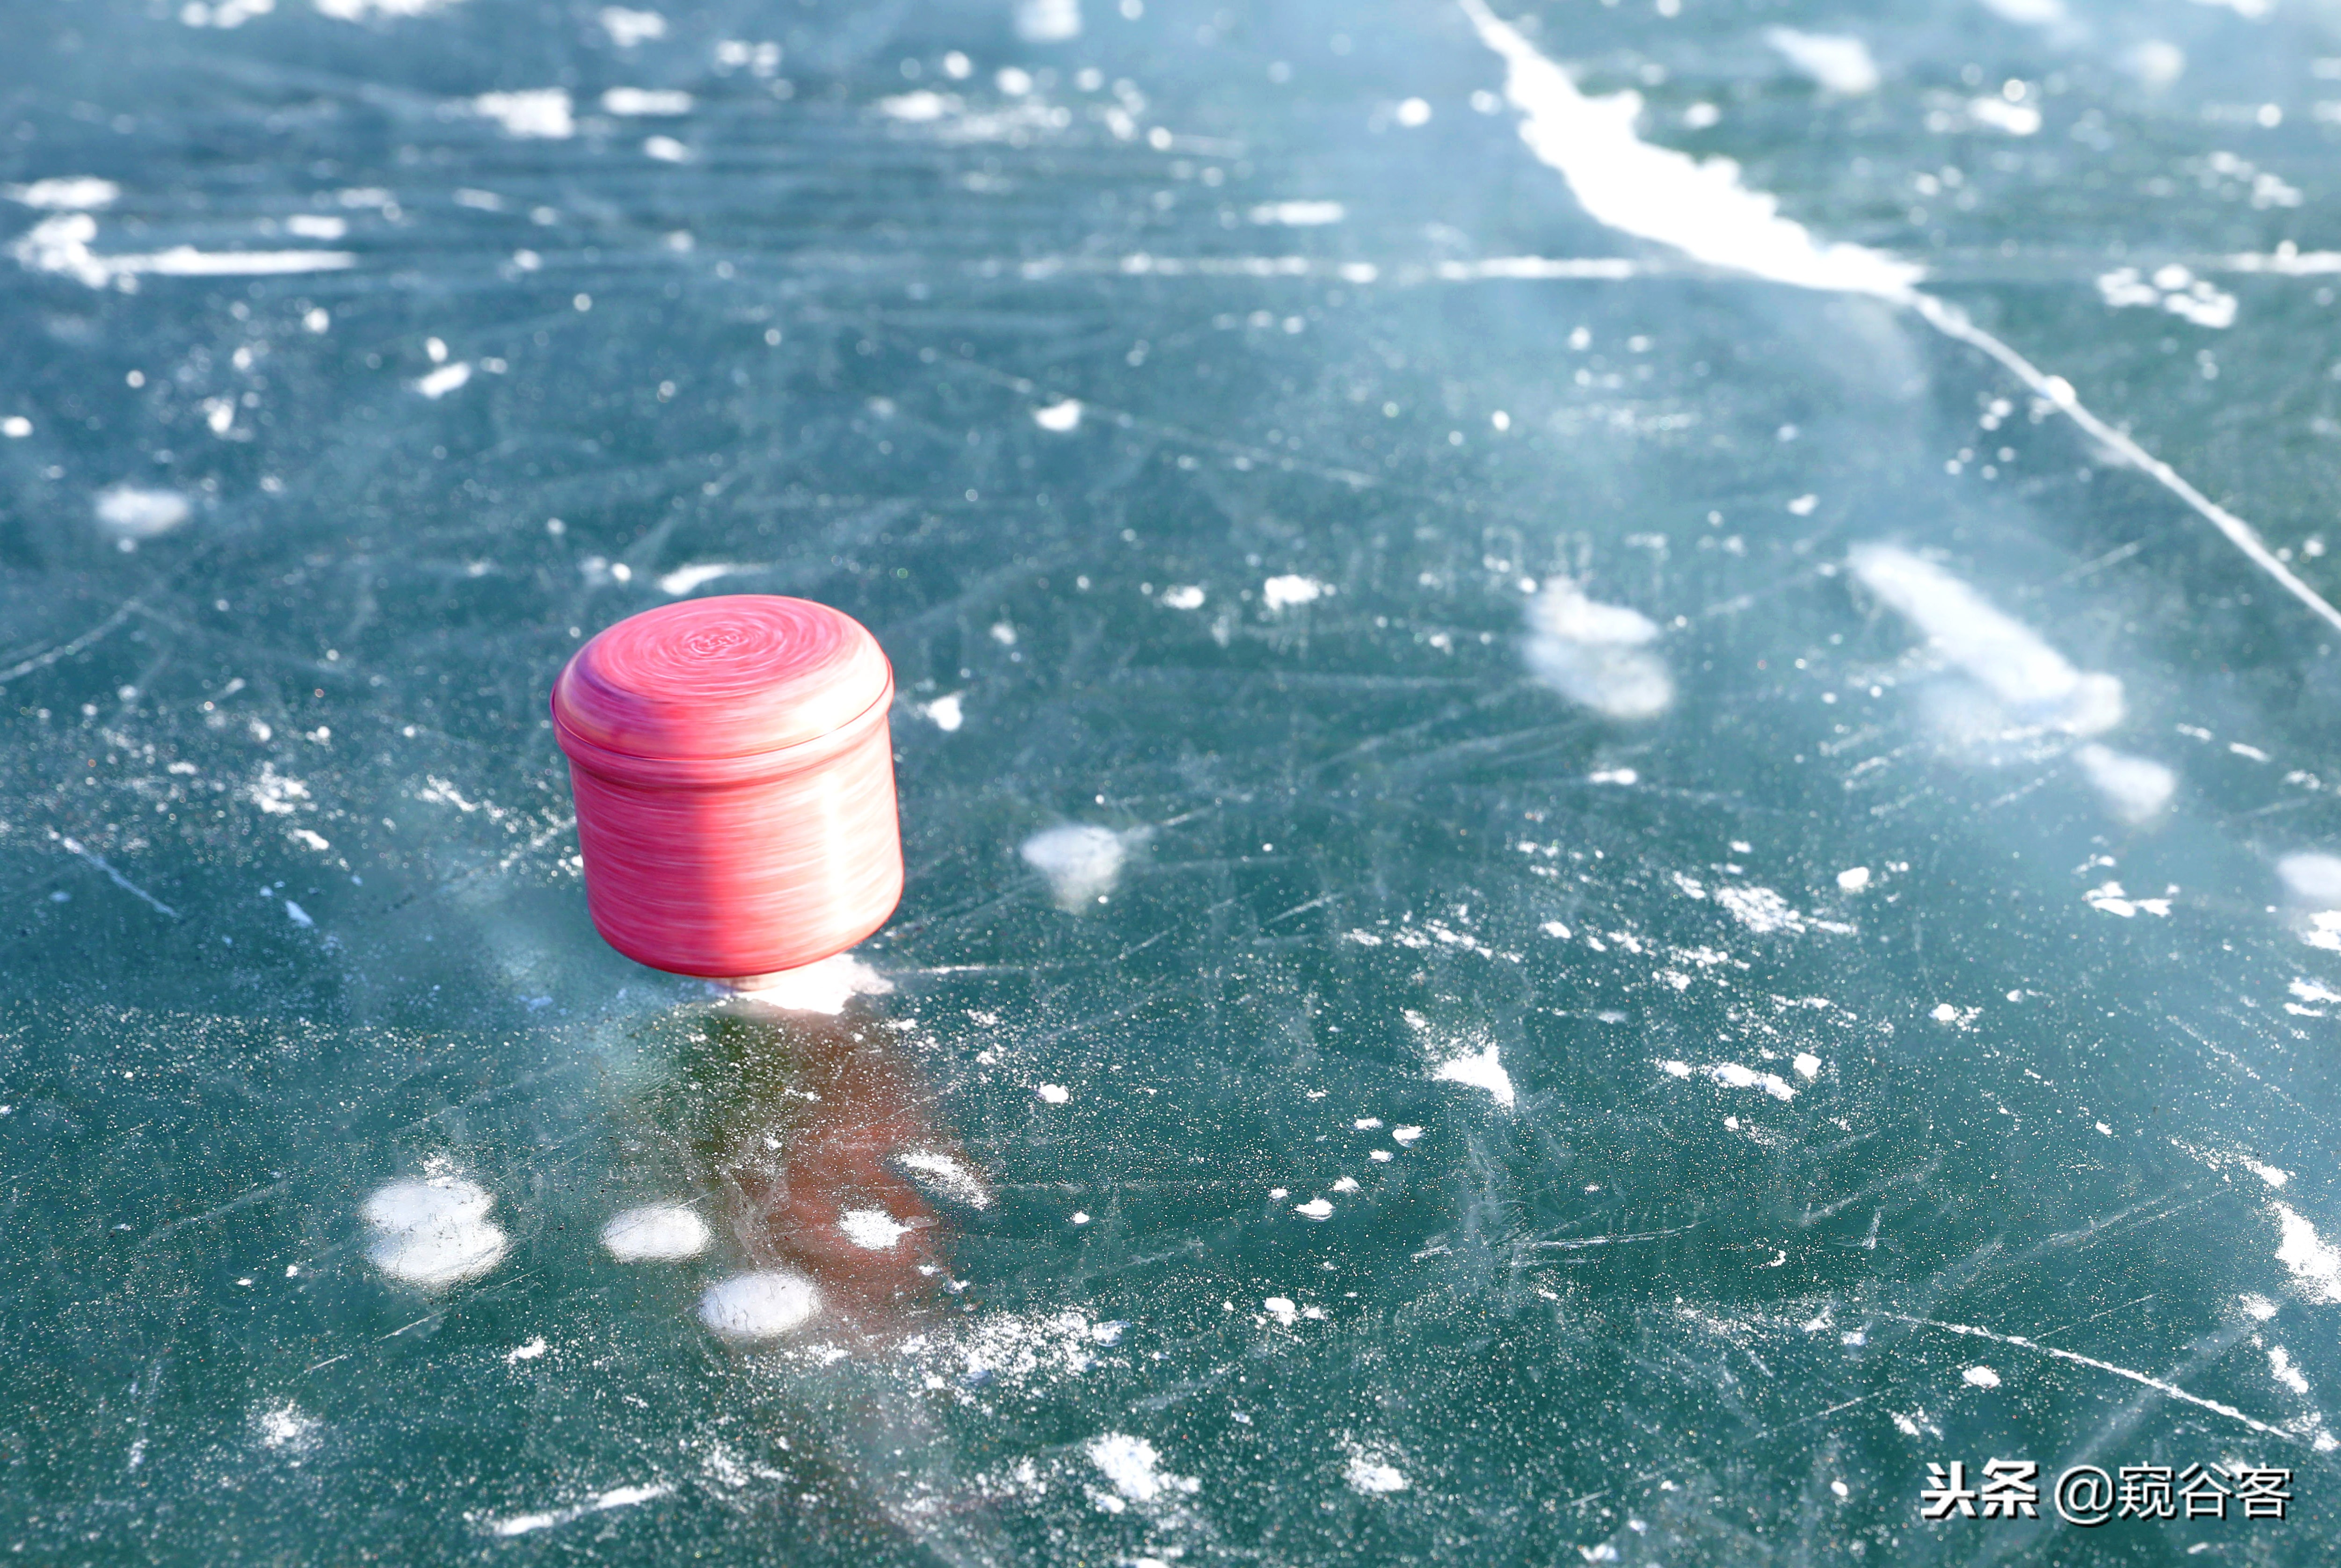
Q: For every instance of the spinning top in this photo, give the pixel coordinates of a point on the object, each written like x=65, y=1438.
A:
x=734, y=777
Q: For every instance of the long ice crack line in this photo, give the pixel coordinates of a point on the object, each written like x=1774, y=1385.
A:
x=1659, y=195
x=2075, y=1357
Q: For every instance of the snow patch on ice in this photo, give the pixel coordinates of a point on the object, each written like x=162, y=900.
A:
x=1059, y=418
x=1481, y=1071
x=2029, y=13
x=946, y=712
x=2034, y=682
x=2135, y=789
x=359, y=10
x=2314, y=1264
x=628, y=28
x=761, y=1305
x=133, y=512
x=1280, y=593
x=541, y=113
x=62, y=244
x=445, y=379
x=872, y=1229
x=1298, y=215
x=685, y=579
x=1981, y=1376
x=66, y=193
x=631, y=102
x=434, y=1231
x=1371, y=1474
x=617, y=1497
x=2312, y=876
x=945, y=1176
x=1048, y=21
x=1595, y=654
x=825, y=987
x=1838, y=62
x=1135, y=1470
x=1081, y=862
x=284, y=1427
x=656, y=1232
x=1733, y=1076
x=2108, y=898
x=1761, y=910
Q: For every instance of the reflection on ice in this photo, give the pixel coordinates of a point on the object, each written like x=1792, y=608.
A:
x=821, y=1138
x=1595, y=654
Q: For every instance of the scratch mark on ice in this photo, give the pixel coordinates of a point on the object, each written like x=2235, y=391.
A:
x=74, y=847
x=617, y=1497
x=2170, y=1390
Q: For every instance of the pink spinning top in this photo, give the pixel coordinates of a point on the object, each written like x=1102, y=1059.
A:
x=734, y=777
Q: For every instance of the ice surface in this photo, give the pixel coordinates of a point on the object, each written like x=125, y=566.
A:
x=1683, y=644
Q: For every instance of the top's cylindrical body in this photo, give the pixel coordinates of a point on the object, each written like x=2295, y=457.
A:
x=734, y=775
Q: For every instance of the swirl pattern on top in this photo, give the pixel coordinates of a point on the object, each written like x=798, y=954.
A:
x=728, y=676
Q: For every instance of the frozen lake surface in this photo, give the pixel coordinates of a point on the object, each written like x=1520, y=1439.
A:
x=1617, y=747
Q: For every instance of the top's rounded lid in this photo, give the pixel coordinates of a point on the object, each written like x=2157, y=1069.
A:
x=729, y=676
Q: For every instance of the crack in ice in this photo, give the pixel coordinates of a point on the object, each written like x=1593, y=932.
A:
x=1701, y=209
